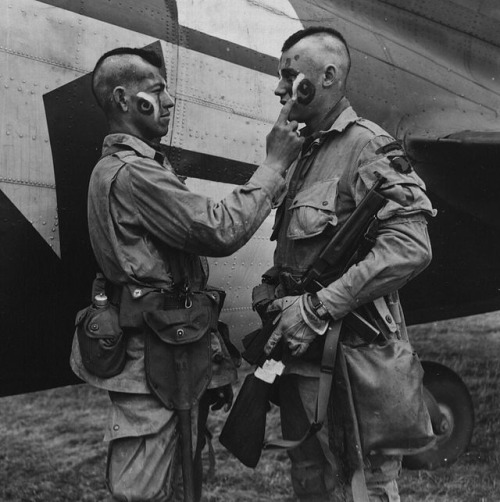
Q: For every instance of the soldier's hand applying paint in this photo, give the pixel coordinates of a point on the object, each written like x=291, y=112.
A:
x=283, y=143
x=295, y=323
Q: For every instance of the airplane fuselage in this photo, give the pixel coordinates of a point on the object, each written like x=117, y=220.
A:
x=421, y=73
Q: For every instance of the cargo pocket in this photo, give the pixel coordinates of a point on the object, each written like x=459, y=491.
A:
x=313, y=210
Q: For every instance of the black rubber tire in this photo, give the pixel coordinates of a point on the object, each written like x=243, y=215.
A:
x=455, y=402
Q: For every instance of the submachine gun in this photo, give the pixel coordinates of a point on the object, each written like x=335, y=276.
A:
x=244, y=430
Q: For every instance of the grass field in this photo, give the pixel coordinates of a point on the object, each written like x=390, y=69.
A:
x=51, y=445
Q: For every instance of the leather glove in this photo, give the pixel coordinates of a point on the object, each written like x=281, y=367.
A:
x=296, y=324
x=221, y=396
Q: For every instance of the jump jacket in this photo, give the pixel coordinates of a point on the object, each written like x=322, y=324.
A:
x=144, y=222
x=333, y=173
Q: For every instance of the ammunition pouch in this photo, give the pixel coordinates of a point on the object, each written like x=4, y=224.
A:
x=262, y=296
x=101, y=341
x=178, y=350
x=135, y=300
x=265, y=292
x=262, y=293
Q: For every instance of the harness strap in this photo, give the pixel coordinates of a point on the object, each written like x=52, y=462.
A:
x=325, y=384
x=358, y=480
x=328, y=360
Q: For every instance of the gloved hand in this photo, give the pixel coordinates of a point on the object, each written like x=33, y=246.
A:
x=296, y=323
x=221, y=396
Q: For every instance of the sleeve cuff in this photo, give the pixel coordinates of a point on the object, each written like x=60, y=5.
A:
x=269, y=180
x=337, y=299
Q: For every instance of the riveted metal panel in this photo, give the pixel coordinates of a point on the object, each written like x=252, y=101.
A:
x=48, y=113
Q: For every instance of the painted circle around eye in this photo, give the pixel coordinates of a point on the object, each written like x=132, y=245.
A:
x=145, y=107
x=305, y=92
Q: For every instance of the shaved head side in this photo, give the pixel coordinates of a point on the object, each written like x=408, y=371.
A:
x=326, y=45
x=119, y=67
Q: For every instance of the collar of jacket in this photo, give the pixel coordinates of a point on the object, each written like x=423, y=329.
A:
x=141, y=147
x=341, y=121
x=346, y=117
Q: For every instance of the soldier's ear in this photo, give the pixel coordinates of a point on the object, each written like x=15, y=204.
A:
x=120, y=98
x=330, y=75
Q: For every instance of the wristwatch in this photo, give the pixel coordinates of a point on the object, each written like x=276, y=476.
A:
x=318, y=307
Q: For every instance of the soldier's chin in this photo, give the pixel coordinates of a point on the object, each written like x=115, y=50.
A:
x=163, y=129
x=295, y=114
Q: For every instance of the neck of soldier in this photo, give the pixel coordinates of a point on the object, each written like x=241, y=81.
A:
x=323, y=121
x=117, y=126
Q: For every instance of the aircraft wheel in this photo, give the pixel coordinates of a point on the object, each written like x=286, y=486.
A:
x=455, y=426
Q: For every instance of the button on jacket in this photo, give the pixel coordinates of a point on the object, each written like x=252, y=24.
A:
x=334, y=172
x=143, y=221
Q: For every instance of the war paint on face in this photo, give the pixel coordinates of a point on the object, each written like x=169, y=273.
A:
x=148, y=105
x=295, y=85
x=303, y=89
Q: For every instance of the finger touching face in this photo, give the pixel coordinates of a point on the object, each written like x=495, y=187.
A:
x=297, y=79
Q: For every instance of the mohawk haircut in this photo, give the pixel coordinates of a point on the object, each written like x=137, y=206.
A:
x=312, y=30
x=319, y=30
x=102, y=85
